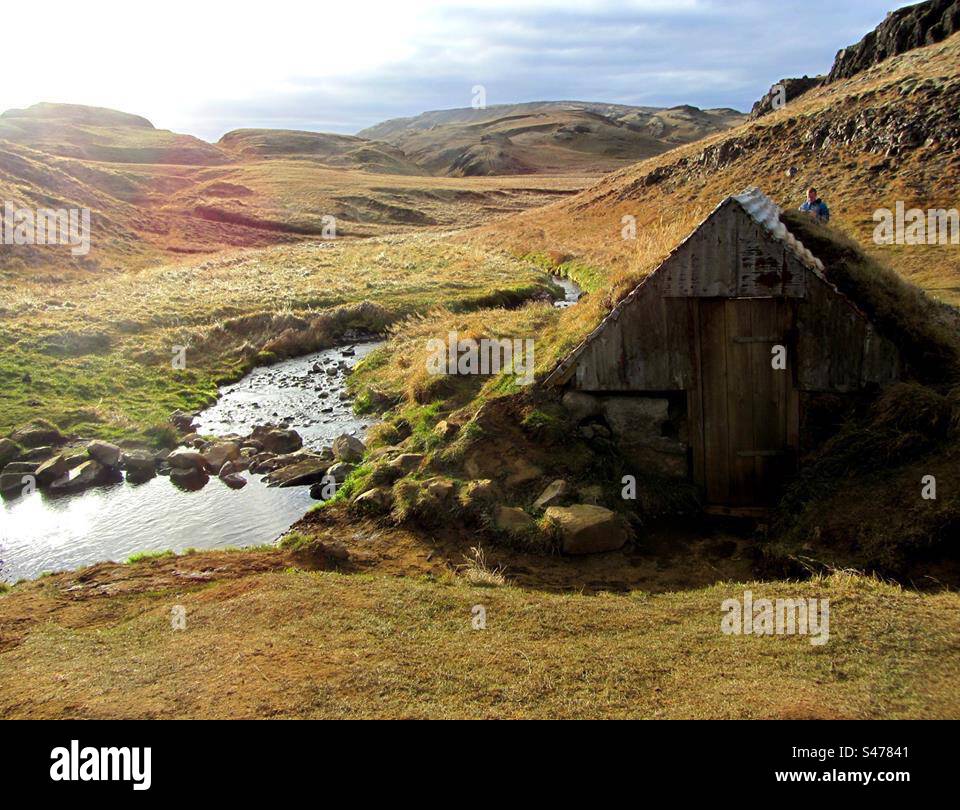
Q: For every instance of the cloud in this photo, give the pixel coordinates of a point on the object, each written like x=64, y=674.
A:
x=205, y=70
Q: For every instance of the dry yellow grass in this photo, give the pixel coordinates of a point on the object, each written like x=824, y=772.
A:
x=146, y=213
x=297, y=644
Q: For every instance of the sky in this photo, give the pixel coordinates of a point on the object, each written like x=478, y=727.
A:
x=205, y=67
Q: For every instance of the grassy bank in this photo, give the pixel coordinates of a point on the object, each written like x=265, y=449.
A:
x=94, y=353
x=290, y=643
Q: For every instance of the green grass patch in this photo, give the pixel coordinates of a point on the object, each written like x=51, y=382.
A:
x=589, y=277
x=143, y=556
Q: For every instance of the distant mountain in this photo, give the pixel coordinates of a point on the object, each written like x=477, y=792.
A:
x=95, y=133
x=154, y=193
x=546, y=137
x=341, y=151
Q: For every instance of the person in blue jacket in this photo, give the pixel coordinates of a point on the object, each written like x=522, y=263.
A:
x=815, y=206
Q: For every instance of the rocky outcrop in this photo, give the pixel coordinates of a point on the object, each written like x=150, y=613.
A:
x=903, y=30
x=587, y=529
x=783, y=92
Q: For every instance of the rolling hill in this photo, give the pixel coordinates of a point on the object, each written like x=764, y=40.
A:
x=155, y=194
x=340, y=151
x=99, y=134
x=546, y=137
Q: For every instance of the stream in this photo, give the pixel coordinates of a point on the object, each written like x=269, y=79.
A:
x=42, y=533
x=571, y=292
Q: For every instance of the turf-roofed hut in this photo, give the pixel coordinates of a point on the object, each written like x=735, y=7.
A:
x=705, y=369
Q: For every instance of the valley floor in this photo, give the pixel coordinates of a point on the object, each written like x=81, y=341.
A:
x=264, y=636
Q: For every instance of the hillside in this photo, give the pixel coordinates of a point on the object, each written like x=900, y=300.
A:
x=886, y=135
x=154, y=194
x=340, y=151
x=889, y=133
x=97, y=134
x=546, y=137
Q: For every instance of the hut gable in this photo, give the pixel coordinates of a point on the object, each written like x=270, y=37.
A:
x=695, y=341
x=740, y=251
x=737, y=252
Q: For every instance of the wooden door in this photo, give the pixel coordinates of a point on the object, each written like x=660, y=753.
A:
x=748, y=410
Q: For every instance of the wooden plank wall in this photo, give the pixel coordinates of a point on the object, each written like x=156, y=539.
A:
x=647, y=348
x=732, y=256
x=839, y=350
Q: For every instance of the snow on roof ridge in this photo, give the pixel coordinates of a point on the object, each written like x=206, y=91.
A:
x=766, y=212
